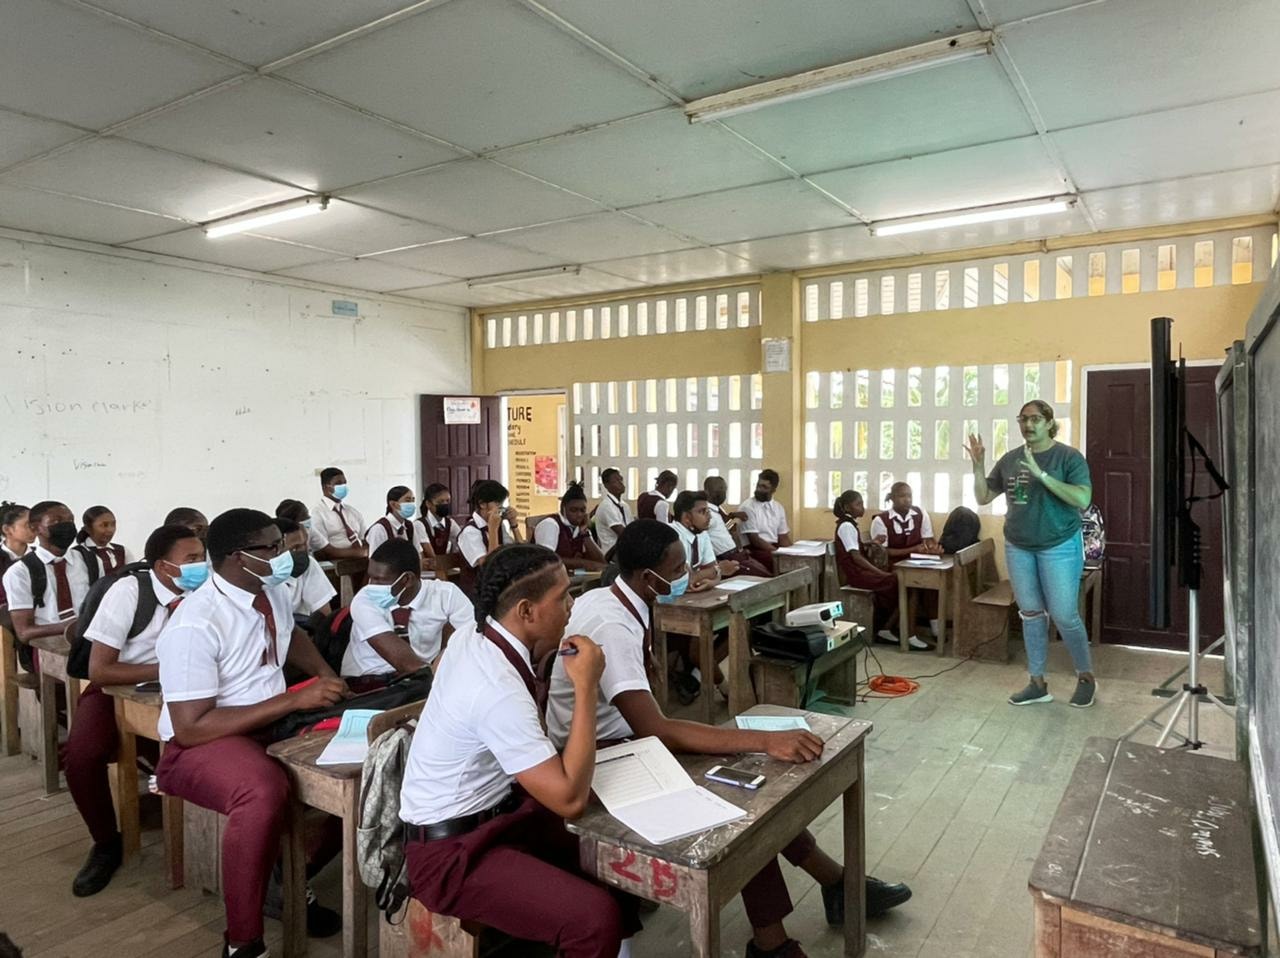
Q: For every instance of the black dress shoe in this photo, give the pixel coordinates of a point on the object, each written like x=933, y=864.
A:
x=255, y=949
x=881, y=896
x=104, y=858
x=788, y=949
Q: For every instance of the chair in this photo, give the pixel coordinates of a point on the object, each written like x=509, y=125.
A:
x=982, y=607
x=421, y=933
x=531, y=522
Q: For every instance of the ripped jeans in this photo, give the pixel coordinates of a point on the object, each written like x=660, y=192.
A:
x=1048, y=581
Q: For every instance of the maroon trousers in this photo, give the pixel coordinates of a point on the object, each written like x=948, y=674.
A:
x=764, y=558
x=519, y=874
x=235, y=776
x=765, y=898
x=748, y=565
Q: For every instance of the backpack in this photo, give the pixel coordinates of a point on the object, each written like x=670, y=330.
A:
x=333, y=636
x=91, y=564
x=960, y=530
x=380, y=837
x=1094, y=532
x=81, y=646
x=39, y=576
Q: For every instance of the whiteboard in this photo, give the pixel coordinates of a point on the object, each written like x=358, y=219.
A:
x=144, y=386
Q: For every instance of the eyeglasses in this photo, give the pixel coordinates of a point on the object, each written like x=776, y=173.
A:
x=1030, y=420
x=275, y=548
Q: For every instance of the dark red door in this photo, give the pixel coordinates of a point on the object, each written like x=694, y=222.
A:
x=1119, y=452
x=459, y=455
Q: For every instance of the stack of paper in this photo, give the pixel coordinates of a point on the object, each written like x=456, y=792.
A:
x=643, y=786
x=350, y=743
x=773, y=723
x=804, y=547
x=739, y=583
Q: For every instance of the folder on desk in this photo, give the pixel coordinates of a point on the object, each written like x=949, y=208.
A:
x=350, y=744
x=643, y=786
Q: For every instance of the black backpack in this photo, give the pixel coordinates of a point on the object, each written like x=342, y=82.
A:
x=960, y=530
x=91, y=564
x=333, y=636
x=78, y=659
x=39, y=582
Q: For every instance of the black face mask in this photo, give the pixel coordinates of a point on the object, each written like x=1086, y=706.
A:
x=62, y=534
x=763, y=496
x=443, y=510
x=301, y=560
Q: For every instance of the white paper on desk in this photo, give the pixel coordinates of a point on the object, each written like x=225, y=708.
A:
x=773, y=723
x=643, y=786
x=811, y=549
x=739, y=583
x=351, y=742
x=924, y=557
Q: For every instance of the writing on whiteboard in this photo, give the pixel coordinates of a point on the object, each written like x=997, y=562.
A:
x=55, y=407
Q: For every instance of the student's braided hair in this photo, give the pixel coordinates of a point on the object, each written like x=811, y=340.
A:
x=511, y=573
x=573, y=493
x=10, y=512
x=90, y=516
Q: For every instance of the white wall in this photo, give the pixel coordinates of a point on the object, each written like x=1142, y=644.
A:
x=143, y=386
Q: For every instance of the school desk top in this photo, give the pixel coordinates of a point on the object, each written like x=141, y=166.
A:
x=1157, y=839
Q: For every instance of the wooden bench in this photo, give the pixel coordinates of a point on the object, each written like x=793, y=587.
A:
x=421, y=933
x=53, y=651
x=982, y=605
x=12, y=681
x=790, y=683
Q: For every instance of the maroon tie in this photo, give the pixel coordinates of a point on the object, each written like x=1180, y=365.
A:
x=351, y=535
x=108, y=558
x=694, y=560
x=66, y=606
x=400, y=619
x=262, y=603
x=173, y=604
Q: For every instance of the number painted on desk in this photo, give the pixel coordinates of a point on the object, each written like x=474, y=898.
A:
x=662, y=882
x=422, y=931
x=623, y=868
x=665, y=880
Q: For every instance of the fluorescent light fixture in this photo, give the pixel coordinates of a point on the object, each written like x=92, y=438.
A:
x=841, y=76
x=266, y=216
x=501, y=279
x=981, y=214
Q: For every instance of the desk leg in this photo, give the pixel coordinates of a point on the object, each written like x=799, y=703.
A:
x=658, y=681
x=904, y=616
x=706, y=640
x=855, y=868
x=704, y=921
x=127, y=788
x=355, y=900
x=49, y=733
x=741, y=694
x=295, y=882
x=172, y=817
x=9, y=692
x=942, y=612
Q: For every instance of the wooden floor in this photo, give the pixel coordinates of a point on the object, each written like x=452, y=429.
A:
x=960, y=789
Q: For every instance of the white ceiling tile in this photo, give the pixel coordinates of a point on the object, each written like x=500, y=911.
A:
x=459, y=294
x=355, y=229
x=600, y=237
x=469, y=257
x=370, y=274
x=255, y=32
x=243, y=250
x=1119, y=59
x=974, y=176
x=1005, y=11
x=474, y=196
x=22, y=137
x=1183, y=201
x=116, y=171
x=569, y=284
x=1069, y=223
x=749, y=212
x=705, y=48
x=681, y=266
x=957, y=105
x=845, y=244
x=647, y=159
x=69, y=64
x=272, y=128
x=484, y=74
x=1242, y=132
x=77, y=219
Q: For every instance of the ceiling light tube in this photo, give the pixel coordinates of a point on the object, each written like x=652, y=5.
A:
x=881, y=66
x=981, y=214
x=499, y=279
x=266, y=216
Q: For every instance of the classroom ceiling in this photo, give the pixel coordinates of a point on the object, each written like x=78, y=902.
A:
x=467, y=138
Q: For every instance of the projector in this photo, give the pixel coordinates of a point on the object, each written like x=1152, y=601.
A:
x=818, y=613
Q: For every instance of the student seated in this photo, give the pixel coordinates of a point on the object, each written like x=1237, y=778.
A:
x=692, y=523
x=566, y=533
x=94, y=542
x=765, y=525
x=722, y=540
x=903, y=529
x=53, y=561
x=437, y=525
x=309, y=588
x=651, y=559
x=336, y=523
x=656, y=504
x=859, y=571
x=177, y=566
x=399, y=620
x=491, y=526
x=16, y=535
x=397, y=522
x=476, y=848
x=296, y=510
x=193, y=519
x=222, y=662
x=613, y=513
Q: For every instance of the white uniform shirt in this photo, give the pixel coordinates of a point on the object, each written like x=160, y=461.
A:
x=902, y=525
x=768, y=520
x=722, y=539
x=215, y=647
x=611, y=512
x=114, y=617
x=847, y=532
x=376, y=534
x=311, y=591
x=9, y=552
x=706, y=551
x=471, y=541
x=316, y=540
x=479, y=730
x=17, y=585
x=547, y=532
x=436, y=605
x=327, y=525
x=97, y=559
x=601, y=617
x=427, y=524
x=662, y=509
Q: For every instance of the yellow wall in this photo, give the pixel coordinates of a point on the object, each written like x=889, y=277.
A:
x=533, y=434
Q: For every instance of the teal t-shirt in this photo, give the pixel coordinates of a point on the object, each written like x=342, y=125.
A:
x=1037, y=519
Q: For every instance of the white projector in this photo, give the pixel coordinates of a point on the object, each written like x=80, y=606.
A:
x=818, y=613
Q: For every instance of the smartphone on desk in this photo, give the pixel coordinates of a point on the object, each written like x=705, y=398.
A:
x=731, y=775
x=152, y=686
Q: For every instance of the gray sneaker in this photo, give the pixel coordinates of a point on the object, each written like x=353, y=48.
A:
x=1031, y=695
x=1082, y=697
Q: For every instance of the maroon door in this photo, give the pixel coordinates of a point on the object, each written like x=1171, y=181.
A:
x=460, y=455
x=1119, y=454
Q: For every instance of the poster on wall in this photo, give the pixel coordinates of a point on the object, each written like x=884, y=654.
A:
x=462, y=410
x=546, y=475
x=534, y=452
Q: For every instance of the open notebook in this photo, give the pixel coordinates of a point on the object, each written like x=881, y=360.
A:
x=351, y=743
x=643, y=786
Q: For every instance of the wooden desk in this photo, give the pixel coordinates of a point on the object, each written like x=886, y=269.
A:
x=815, y=560
x=11, y=680
x=1150, y=853
x=701, y=873
x=923, y=576
x=580, y=582
x=702, y=614
x=52, y=659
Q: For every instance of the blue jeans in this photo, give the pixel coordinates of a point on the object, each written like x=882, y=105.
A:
x=1048, y=580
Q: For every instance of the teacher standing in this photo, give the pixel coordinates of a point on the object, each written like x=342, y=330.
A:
x=1046, y=484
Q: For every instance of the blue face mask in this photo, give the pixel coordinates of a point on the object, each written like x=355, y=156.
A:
x=678, y=587
x=340, y=492
x=191, y=575
x=407, y=509
x=281, y=568
x=382, y=596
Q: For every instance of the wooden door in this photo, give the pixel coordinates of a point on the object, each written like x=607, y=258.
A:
x=458, y=455
x=1119, y=454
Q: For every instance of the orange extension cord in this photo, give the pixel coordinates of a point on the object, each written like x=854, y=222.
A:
x=892, y=685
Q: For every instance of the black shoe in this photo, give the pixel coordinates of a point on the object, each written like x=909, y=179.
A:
x=685, y=685
x=788, y=949
x=881, y=896
x=321, y=922
x=255, y=949
x=104, y=858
